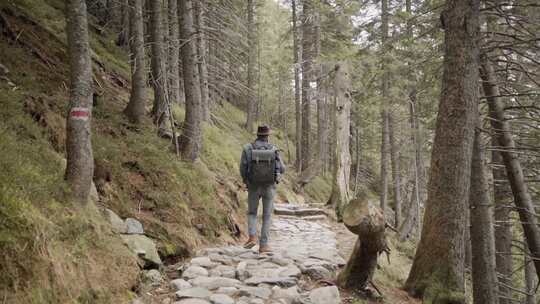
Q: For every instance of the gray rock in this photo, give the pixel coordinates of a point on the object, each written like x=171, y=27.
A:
x=192, y=301
x=286, y=295
x=224, y=271
x=290, y=271
x=180, y=284
x=203, y=262
x=194, y=292
x=152, y=277
x=325, y=295
x=137, y=301
x=241, y=272
x=280, y=281
x=213, y=283
x=194, y=271
x=234, y=250
x=280, y=261
x=219, y=258
x=221, y=299
x=261, y=271
x=259, y=292
x=256, y=301
x=117, y=224
x=230, y=291
x=134, y=226
x=143, y=247
x=318, y=273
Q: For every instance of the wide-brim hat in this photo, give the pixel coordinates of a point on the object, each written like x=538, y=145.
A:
x=263, y=130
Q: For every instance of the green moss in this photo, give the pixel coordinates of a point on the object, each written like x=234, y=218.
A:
x=319, y=189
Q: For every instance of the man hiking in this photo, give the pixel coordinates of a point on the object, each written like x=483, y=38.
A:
x=260, y=168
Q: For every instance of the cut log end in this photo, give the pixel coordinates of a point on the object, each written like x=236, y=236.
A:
x=363, y=218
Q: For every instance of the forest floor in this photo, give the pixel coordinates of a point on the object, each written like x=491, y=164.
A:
x=308, y=252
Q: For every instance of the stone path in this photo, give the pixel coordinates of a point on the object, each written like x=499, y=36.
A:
x=304, y=253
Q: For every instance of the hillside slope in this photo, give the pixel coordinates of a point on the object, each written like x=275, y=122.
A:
x=52, y=252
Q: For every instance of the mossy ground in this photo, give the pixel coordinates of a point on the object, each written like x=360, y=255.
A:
x=54, y=252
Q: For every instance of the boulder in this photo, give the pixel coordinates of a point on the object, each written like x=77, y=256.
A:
x=241, y=270
x=144, y=248
x=325, y=295
x=221, y=299
x=117, y=224
x=194, y=271
x=180, y=284
x=194, y=292
x=134, y=226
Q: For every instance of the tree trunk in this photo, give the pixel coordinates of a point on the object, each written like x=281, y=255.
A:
x=174, y=53
x=190, y=140
x=385, y=145
x=342, y=166
x=503, y=227
x=252, y=54
x=135, y=109
x=297, y=88
x=384, y=160
x=396, y=174
x=307, y=78
x=484, y=273
x=159, y=74
x=124, y=34
x=202, y=62
x=514, y=172
x=437, y=272
x=80, y=161
x=317, y=71
x=366, y=220
x=531, y=280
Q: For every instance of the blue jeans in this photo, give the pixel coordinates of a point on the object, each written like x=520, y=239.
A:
x=255, y=193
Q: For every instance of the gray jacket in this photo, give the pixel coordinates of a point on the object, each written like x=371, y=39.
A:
x=246, y=159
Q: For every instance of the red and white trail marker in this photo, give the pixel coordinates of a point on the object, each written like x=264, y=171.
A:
x=79, y=113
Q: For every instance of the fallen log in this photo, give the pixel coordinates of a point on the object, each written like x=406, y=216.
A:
x=363, y=218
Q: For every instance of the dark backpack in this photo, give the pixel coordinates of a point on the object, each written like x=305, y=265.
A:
x=262, y=168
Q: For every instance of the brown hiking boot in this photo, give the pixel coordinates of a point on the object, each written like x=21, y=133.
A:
x=264, y=249
x=251, y=242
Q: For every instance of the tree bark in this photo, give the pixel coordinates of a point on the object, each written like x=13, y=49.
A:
x=297, y=88
x=252, y=54
x=437, y=272
x=307, y=78
x=124, y=34
x=159, y=74
x=174, y=53
x=385, y=139
x=484, y=273
x=202, y=62
x=531, y=280
x=190, y=139
x=366, y=220
x=384, y=160
x=80, y=160
x=396, y=173
x=135, y=109
x=342, y=166
x=503, y=227
x=514, y=172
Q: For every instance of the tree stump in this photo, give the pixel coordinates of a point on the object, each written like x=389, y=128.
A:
x=363, y=218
